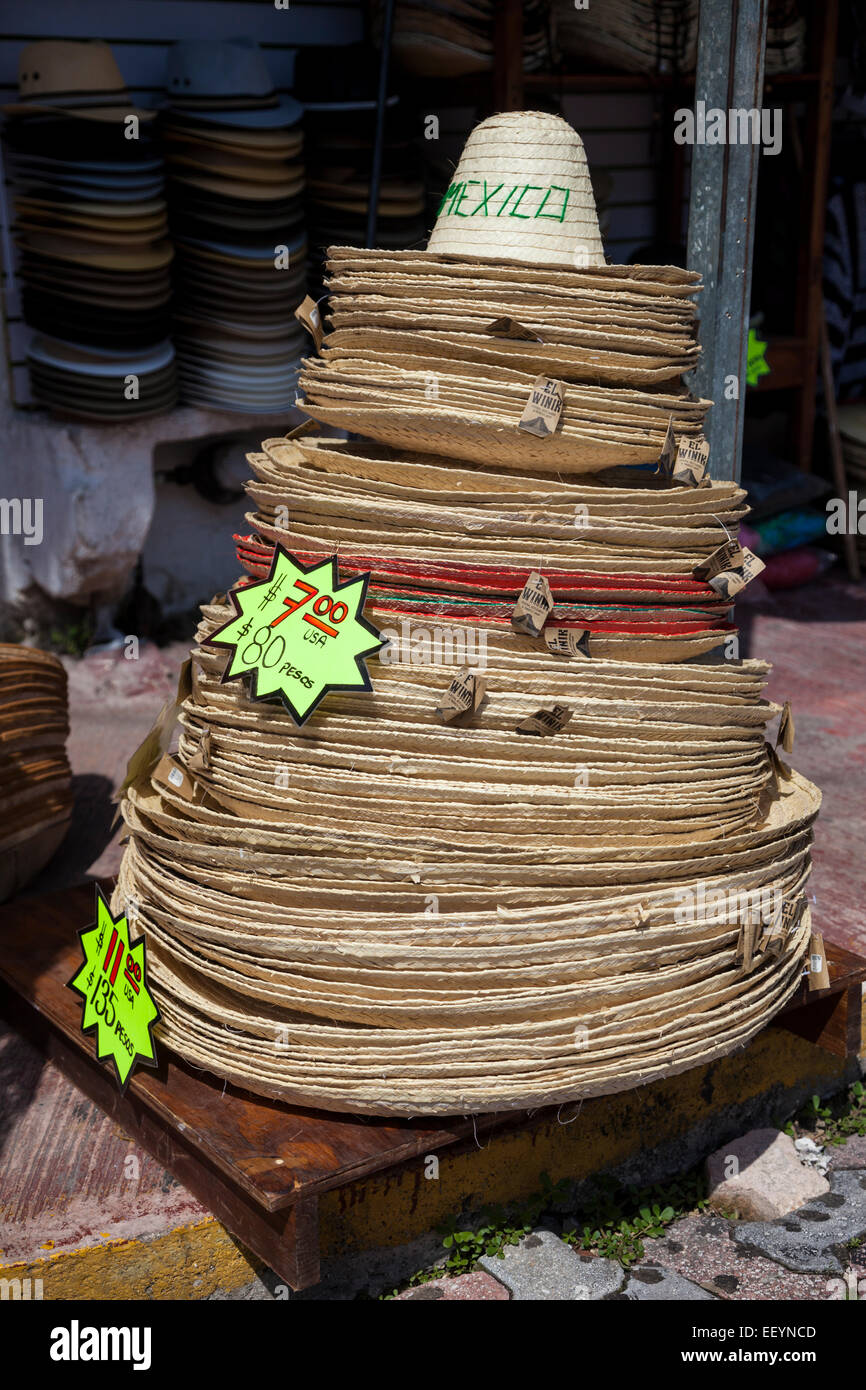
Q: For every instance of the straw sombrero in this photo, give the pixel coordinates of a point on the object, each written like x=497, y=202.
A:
x=474, y=1006
x=521, y=192
x=35, y=778
x=413, y=906
x=76, y=79
x=438, y=350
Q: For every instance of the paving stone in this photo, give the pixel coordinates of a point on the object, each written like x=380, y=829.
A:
x=814, y=1238
x=650, y=1283
x=542, y=1267
x=851, y=1154
x=465, y=1288
x=702, y=1250
x=769, y=1180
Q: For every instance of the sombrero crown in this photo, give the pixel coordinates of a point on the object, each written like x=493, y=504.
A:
x=521, y=192
x=74, y=77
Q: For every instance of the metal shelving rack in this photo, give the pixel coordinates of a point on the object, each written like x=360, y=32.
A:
x=721, y=220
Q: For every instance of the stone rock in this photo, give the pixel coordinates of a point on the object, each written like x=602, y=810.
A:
x=814, y=1238
x=768, y=1180
x=542, y=1267
x=851, y=1154
x=701, y=1249
x=474, y=1287
x=812, y=1154
x=649, y=1283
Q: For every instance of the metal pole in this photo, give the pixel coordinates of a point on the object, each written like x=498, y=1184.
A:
x=381, y=103
x=724, y=186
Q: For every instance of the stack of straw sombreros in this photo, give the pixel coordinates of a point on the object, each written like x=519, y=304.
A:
x=435, y=40
x=661, y=36
x=594, y=876
x=35, y=779
x=92, y=253
x=235, y=184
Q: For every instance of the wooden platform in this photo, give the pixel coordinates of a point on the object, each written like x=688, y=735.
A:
x=258, y=1165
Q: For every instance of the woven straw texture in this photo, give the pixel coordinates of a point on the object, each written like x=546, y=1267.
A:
x=391, y=911
x=617, y=325
x=35, y=778
x=542, y=209
x=379, y=914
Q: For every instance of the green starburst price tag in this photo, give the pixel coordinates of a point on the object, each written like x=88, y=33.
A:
x=757, y=364
x=117, y=1002
x=299, y=633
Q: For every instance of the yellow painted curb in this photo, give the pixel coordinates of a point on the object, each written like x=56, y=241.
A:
x=199, y=1261
x=388, y=1210
x=193, y=1262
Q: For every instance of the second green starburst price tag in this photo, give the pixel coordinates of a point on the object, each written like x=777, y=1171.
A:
x=117, y=1002
x=299, y=633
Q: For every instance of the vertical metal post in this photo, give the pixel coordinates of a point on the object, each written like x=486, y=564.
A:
x=381, y=109
x=508, y=56
x=724, y=186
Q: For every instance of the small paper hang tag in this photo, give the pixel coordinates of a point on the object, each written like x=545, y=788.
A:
x=463, y=696
x=732, y=582
x=169, y=772
x=728, y=557
x=305, y=427
x=200, y=760
x=782, y=924
x=151, y=749
x=307, y=313
x=769, y=794
x=781, y=770
x=197, y=693
x=728, y=584
x=567, y=641
x=543, y=410
x=546, y=721
x=792, y=913
x=690, y=462
x=785, y=735
x=669, y=451
x=510, y=328
x=772, y=939
x=746, y=943
x=819, y=975
x=533, y=606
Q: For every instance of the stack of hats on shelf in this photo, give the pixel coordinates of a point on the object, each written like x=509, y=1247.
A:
x=90, y=230
x=549, y=854
x=432, y=39
x=35, y=779
x=661, y=36
x=786, y=37
x=657, y=36
x=338, y=89
x=233, y=150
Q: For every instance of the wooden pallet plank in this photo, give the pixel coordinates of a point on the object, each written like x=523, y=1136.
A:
x=834, y=1021
x=257, y=1164
x=286, y=1239
x=276, y=1153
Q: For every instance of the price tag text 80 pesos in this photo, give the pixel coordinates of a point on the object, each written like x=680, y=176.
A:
x=299, y=633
